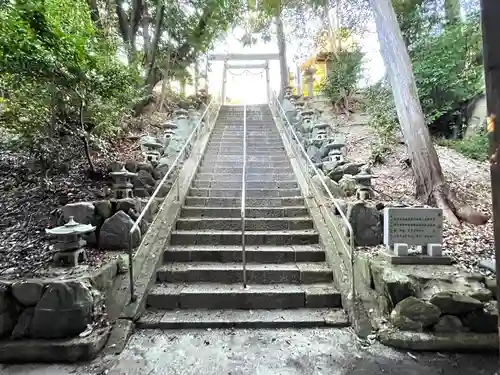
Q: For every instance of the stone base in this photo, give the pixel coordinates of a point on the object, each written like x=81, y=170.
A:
x=416, y=259
x=70, y=257
x=54, y=351
x=451, y=342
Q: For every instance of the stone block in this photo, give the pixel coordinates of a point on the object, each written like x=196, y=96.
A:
x=28, y=292
x=454, y=303
x=82, y=212
x=417, y=310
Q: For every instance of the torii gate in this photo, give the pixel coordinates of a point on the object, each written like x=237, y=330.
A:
x=245, y=56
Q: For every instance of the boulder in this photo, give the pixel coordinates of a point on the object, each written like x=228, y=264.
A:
x=483, y=320
x=418, y=310
x=448, y=324
x=8, y=320
x=453, y=303
x=348, y=185
x=114, y=233
x=314, y=153
x=28, y=292
x=64, y=310
x=332, y=185
x=491, y=284
x=388, y=282
x=366, y=224
x=103, y=208
x=23, y=325
x=82, y=212
x=5, y=301
x=404, y=323
x=131, y=166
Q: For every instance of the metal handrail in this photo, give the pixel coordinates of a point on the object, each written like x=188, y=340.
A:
x=310, y=164
x=243, y=197
x=135, y=226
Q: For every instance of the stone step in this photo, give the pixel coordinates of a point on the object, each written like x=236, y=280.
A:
x=250, y=202
x=234, y=296
x=253, y=163
x=250, y=193
x=249, y=177
x=213, y=237
x=260, y=212
x=254, y=254
x=239, y=152
x=232, y=273
x=203, y=319
x=214, y=168
x=251, y=224
x=249, y=184
x=229, y=138
x=250, y=158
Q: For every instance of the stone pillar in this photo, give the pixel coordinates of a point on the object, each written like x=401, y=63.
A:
x=224, y=80
x=299, y=81
x=268, y=82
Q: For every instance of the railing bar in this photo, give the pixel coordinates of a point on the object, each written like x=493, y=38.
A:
x=155, y=193
x=310, y=164
x=243, y=197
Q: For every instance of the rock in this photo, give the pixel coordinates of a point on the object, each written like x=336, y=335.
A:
x=145, y=167
x=453, y=303
x=103, y=208
x=418, y=311
x=7, y=322
x=483, y=320
x=314, y=153
x=366, y=224
x=22, y=328
x=4, y=298
x=344, y=168
x=483, y=295
x=448, y=324
x=123, y=264
x=388, y=282
x=404, y=323
x=131, y=166
x=488, y=264
x=82, y=212
x=491, y=284
x=114, y=166
x=162, y=167
x=348, y=185
x=28, y=293
x=332, y=185
x=65, y=310
x=146, y=178
x=114, y=233
x=165, y=188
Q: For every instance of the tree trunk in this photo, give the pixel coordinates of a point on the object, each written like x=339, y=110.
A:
x=151, y=80
x=430, y=184
x=282, y=52
x=196, y=76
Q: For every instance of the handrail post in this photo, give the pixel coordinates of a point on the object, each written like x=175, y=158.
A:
x=243, y=196
x=279, y=112
x=192, y=138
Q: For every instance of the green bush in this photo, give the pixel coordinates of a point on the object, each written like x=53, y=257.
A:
x=476, y=147
x=344, y=72
x=56, y=69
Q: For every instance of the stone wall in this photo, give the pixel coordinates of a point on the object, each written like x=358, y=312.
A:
x=431, y=302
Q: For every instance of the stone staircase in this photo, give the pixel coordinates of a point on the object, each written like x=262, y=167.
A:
x=200, y=282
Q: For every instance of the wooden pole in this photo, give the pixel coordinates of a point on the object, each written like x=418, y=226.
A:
x=490, y=13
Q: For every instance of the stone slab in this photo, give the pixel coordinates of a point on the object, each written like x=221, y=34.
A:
x=54, y=351
x=244, y=319
x=416, y=259
x=488, y=264
x=452, y=342
x=413, y=226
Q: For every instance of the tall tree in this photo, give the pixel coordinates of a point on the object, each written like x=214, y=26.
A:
x=429, y=177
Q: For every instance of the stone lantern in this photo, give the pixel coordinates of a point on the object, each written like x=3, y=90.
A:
x=288, y=92
x=151, y=150
x=122, y=186
x=321, y=132
x=181, y=114
x=339, y=145
x=336, y=156
x=69, y=242
x=364, y=180
x=306, y=116
x=170, y=129
x=299, y=105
